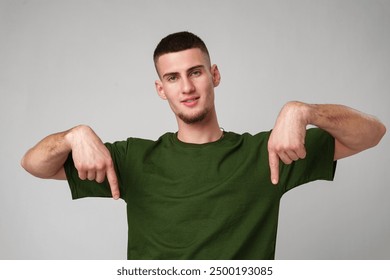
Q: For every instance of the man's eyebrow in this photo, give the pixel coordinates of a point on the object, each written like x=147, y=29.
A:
x=188, y=70
x=195, y=67
x=170, y=74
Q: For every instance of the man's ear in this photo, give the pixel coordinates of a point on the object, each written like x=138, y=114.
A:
x=215, y=75
x=160, y=89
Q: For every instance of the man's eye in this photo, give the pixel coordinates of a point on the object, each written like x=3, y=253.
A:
x=195, y=73
x=172, y=78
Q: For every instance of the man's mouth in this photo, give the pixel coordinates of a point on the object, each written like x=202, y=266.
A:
x=190, y=101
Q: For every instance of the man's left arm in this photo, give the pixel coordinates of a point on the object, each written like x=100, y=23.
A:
x=353, y=131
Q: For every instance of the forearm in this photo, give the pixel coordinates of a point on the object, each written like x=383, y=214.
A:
x=91, y=157
x=354, y=131
x=46, y=159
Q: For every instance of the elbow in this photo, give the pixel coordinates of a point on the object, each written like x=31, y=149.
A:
x=26, y=165
x=382, y=132
x=373, y=137
x=41, y=171
x=23, y=163
x=378, y=135
x=31, y=169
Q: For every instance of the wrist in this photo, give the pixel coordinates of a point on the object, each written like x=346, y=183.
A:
x=71, y=135
x=302, y=112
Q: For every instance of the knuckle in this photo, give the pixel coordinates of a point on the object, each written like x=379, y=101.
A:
x=294, y=147
x=79, y=165
x=273, y=149
x=100, y=166
x=82, y=169
x=109, y=163
x=84, y=166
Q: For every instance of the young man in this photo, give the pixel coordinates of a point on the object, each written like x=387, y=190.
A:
x=203, y=193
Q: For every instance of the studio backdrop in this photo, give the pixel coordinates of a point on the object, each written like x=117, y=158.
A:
x=64, y=63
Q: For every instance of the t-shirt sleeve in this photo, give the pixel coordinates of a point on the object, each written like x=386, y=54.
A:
x=318, y=164
x=86, y=188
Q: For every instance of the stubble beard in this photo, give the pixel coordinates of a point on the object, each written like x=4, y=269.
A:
x=194, y=118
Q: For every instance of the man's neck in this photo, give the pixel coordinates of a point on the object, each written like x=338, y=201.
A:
x=199, y=133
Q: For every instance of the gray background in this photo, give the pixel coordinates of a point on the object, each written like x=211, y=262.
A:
x=64, y=63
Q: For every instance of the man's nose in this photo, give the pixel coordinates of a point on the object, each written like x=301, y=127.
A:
x=187, y=86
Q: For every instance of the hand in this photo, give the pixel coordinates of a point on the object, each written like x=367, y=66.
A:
x=91, y=158
x=287, y=139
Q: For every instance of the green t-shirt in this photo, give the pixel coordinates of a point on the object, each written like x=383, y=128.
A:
x=204, y=201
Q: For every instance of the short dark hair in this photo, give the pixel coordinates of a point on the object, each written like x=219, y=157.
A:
x=177, y=42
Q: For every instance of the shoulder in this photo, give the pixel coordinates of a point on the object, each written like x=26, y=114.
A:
x=137, y=143
x=248, y=140
x=246, y=136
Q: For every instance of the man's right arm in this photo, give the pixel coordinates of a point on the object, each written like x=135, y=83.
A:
x=91, y=158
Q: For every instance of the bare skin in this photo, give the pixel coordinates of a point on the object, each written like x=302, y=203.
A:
x=91, y=158
x=187, y=82
x=353, y=132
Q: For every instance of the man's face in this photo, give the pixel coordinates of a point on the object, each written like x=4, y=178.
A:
x=187, y=82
